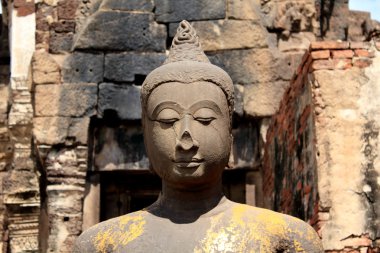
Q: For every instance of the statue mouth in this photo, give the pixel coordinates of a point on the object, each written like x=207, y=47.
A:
x=188, y=163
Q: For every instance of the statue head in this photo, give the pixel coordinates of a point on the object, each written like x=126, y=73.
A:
x=187, y=106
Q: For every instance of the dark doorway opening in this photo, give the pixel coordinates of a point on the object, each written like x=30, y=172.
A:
x=124, y=192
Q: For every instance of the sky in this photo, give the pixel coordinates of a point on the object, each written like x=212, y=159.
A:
x=372, y=6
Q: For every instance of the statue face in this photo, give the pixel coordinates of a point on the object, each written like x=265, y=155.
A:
x=187, y=133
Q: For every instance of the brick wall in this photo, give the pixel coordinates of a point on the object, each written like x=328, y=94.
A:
x=289, y=166
x=321, y=152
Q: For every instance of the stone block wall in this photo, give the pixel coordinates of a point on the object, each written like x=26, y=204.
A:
x=321, y=150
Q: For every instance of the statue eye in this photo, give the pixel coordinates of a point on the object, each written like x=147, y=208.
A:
x=205, y=116
x=167, y=116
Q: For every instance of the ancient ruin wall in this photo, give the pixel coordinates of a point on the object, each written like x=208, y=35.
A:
x=337, y=158
x=75, y=102
x=289, y=164
x=345, y=89
x=89, y=62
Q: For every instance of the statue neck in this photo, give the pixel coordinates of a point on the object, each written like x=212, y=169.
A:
x=182, y=205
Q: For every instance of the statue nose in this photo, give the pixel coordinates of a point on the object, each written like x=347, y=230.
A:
x=185, y=140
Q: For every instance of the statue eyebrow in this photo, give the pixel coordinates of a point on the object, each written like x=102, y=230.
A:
x=205, y=104
x=166, y=104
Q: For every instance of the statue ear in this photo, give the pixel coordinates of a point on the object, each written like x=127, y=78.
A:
x=230, y=163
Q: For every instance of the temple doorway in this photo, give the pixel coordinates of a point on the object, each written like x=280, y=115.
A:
x=124, y=192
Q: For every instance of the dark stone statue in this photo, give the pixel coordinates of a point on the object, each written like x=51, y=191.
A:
x=187, y=107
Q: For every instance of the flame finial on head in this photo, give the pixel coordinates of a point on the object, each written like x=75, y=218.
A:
x=186, y=46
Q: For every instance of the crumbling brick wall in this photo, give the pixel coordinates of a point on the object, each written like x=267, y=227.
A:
x=339, y=105
x=289, y=166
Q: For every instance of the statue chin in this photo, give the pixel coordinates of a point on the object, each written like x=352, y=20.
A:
x=187, y=107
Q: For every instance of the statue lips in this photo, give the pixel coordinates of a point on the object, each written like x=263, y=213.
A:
x=188, y=163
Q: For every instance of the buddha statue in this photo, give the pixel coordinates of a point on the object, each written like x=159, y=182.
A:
x=187, y=106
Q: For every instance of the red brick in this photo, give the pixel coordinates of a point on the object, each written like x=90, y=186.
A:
x=320, y=54
x=42, y=37
x=322, y=64
x=364, y=53
x=329, y=45
x=67, y=9
x=362, y=63
x=24, y=7
x=359, y=45
x=64, y=26
x=342, y=53
x=342, y=63
x=42, y=25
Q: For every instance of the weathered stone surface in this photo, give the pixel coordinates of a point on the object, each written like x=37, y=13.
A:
x=123, y=67
x=68, y=100
x=67, y=8
x=347, y=126
x=22, y=159
x=63, y=26
x=59, y=130
x=124, y=99
x=83, y=67
x=130, y=5
x=243, y=9
x=4, y=96
x=334, y=24
x=178, y=10
x=65, y=216
x=263, y=99
x=42, y=40
x=286, y=64
x=247, y=66
x=20, y=114
x=18, y=181
x=290, y=16
x=65, y=199
x=45, y=69
x=358, y=25
x=136, y=31
x=296, y=42
x=119, y=148
x=230, y=34
x=66, y=162
x=238, y=99
x=226, y=34
x=60, y=42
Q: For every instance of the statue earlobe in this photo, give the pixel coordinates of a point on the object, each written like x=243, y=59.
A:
x=230, y=163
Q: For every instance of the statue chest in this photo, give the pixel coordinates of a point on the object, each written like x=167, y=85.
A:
x=215, y=234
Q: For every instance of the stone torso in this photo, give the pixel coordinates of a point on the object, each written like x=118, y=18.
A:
x=230, y=227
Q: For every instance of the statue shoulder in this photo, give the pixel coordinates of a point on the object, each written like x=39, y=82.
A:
x=297, y=233
x=292, y=232
x=304, y=237
x=105, y=234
